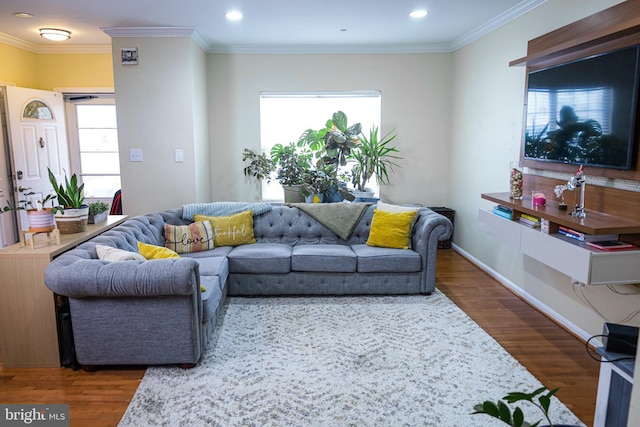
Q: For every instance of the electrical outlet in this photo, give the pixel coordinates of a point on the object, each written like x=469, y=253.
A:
x=135, y=155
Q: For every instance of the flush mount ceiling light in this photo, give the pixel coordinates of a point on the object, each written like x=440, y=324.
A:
x=233, y=15
x=418, y=13
x=55, y=34
x=23, y=15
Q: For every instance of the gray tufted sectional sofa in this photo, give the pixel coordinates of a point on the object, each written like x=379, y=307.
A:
x=153, y=312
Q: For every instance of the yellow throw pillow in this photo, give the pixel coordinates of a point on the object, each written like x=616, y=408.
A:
x=194, y=237
x=158, y=252
x=155, y=252
x=391, y=230
x=233, y=230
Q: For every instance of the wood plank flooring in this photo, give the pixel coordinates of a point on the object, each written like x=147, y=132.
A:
x=554, y=356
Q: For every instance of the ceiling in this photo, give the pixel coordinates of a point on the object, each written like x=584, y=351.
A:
x=268, y=25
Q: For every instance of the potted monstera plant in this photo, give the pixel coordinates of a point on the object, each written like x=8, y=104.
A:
x=71, y=213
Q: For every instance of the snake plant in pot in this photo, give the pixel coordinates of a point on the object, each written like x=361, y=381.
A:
x=71, y=213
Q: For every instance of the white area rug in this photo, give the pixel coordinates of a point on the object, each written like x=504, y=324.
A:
x=338, y=361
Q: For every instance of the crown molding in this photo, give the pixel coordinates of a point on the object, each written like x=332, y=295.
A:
x=19, y=43
x=327, y=49
x=190, y=32
x=495, y=23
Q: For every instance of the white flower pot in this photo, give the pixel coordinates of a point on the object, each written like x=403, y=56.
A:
x=40, y=221
x=72, y=220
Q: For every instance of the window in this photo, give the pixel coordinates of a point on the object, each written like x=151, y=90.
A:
x=93, y=141
x=284, y=116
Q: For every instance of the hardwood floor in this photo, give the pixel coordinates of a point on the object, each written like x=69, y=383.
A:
x=553, y=355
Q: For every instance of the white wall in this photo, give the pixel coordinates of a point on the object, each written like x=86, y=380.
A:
x=160, y=107
x=416, y=102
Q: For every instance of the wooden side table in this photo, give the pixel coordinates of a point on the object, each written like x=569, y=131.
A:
x=28, y=329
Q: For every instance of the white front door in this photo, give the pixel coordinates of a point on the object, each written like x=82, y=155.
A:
x=37, y=132
x=7, y=220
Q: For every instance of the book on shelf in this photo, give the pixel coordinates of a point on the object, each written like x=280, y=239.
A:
x=503, y=211
x=527, y=222
x=530, y=217
x=612, y=245
x=586, y=237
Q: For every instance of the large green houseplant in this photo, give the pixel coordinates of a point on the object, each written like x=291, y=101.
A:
x=373, y=157
x=71, y=213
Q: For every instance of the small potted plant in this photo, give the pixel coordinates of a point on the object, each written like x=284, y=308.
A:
x=291, y=165
x=71, y=213
x=316, y=185
x=515, y=418
x=372, y=157
x=97, y=212
x=40, y=218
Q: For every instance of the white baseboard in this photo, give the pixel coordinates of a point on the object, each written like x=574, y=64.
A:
x=530, y=299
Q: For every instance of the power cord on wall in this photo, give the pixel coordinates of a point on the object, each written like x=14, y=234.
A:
x=581, y=296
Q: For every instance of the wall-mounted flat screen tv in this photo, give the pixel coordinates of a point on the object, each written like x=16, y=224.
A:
x=584, y=112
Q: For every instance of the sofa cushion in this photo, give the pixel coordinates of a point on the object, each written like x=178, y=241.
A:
x=212, y=266
x=232, y=230
x=390, y=229
x=194, y=237
x=388, y=260
x=329, y=258
x=109, y=253
x=260, y=258
x=155, y=252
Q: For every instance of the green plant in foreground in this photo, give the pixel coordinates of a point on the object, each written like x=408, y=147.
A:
x=501, y=411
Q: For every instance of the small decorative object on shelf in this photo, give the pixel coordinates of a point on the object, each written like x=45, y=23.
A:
x=559, y=190
x=578, y=182
x=515, y=181
x=538, y=197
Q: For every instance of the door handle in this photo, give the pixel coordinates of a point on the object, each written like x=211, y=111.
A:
x=23, y=189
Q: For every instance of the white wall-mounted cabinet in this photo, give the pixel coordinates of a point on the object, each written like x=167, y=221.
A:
x=568, y=256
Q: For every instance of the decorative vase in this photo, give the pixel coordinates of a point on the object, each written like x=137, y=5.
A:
x=314, y=198
x=515, y=181
x=72, y=220
x=293, y=194
x=41, y=221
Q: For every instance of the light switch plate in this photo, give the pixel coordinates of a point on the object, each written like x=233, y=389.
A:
x=179, y=155
x=135, y=155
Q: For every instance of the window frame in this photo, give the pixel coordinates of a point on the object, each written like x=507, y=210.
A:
x=71, y=101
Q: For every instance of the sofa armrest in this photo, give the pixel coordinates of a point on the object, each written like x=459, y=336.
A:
x=430, y=228
x=77, y=276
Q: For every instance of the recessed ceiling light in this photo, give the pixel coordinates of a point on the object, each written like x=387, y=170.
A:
x=234, y=15
x=23, y=15
x=418, y=13
x=55, y=34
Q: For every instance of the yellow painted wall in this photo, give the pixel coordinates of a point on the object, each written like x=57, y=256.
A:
x=18, y=66
x=74, y=70
x=48, y=71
